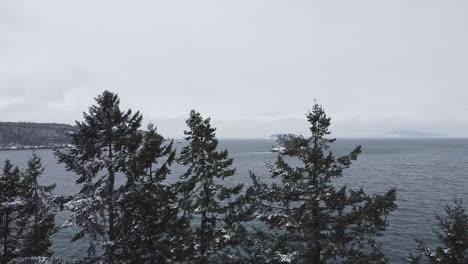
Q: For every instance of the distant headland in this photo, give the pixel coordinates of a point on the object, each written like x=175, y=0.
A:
x=27, y=135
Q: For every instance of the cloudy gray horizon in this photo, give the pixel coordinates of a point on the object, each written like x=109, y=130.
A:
x=255, y=67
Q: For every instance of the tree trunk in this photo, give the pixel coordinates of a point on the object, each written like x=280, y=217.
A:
x=203, y=227
x=202, y=239
x=315, y=253
x=316, y=247
x=111, y=205
x=5, y=238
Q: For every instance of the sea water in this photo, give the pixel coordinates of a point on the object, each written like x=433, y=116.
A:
x=427, y=173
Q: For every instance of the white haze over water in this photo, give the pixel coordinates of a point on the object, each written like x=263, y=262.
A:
x=254, y=66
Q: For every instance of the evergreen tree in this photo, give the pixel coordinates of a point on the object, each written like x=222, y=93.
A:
x=453, y=233
x=11, y=204
x=37, y=217
x=152, y=230
x=101, y=148
x=309, y=220
x=204, y=192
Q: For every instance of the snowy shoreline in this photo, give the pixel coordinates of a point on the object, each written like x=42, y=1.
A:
x=16, y=147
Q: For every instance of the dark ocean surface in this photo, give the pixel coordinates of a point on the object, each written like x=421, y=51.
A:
x=427, y=173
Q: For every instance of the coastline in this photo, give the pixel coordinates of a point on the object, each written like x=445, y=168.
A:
x=16, y=147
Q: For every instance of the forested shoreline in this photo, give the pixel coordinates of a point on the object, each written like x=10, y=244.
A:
x=28, y=135
x=299, y=218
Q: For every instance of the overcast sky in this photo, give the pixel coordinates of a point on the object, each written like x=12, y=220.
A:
x=254, y=67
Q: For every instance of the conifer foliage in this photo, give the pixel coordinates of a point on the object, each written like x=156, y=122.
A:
x=27, y=214
x=452, y=233
x=101, y=148
x=37, y=214
x=204, y=190
x=125, y=205
x=310, y=220
x=151, y=229
x=11, y=203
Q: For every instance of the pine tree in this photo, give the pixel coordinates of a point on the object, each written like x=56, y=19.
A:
x=204, y=192
x=309, y=220
x=101, y=147
x=152, y=229
x=11, y=204
x=37, y=216
x=453, y=233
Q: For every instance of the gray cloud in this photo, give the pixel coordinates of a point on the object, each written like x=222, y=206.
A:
x=195, y=88
x=254, y=66
x=10, y=14
x=41, y=96
x=8, y=18
x=43, y=87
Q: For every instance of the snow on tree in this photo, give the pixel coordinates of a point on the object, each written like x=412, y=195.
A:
x=11, y=204
x=37, y=216
x=452, y=233
x=309, y=220
x=204, y=191
x=152, y=229
x=101, y=148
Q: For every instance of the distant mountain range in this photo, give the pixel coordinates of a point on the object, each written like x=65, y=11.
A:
x=414, y=134
x=25, y=135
